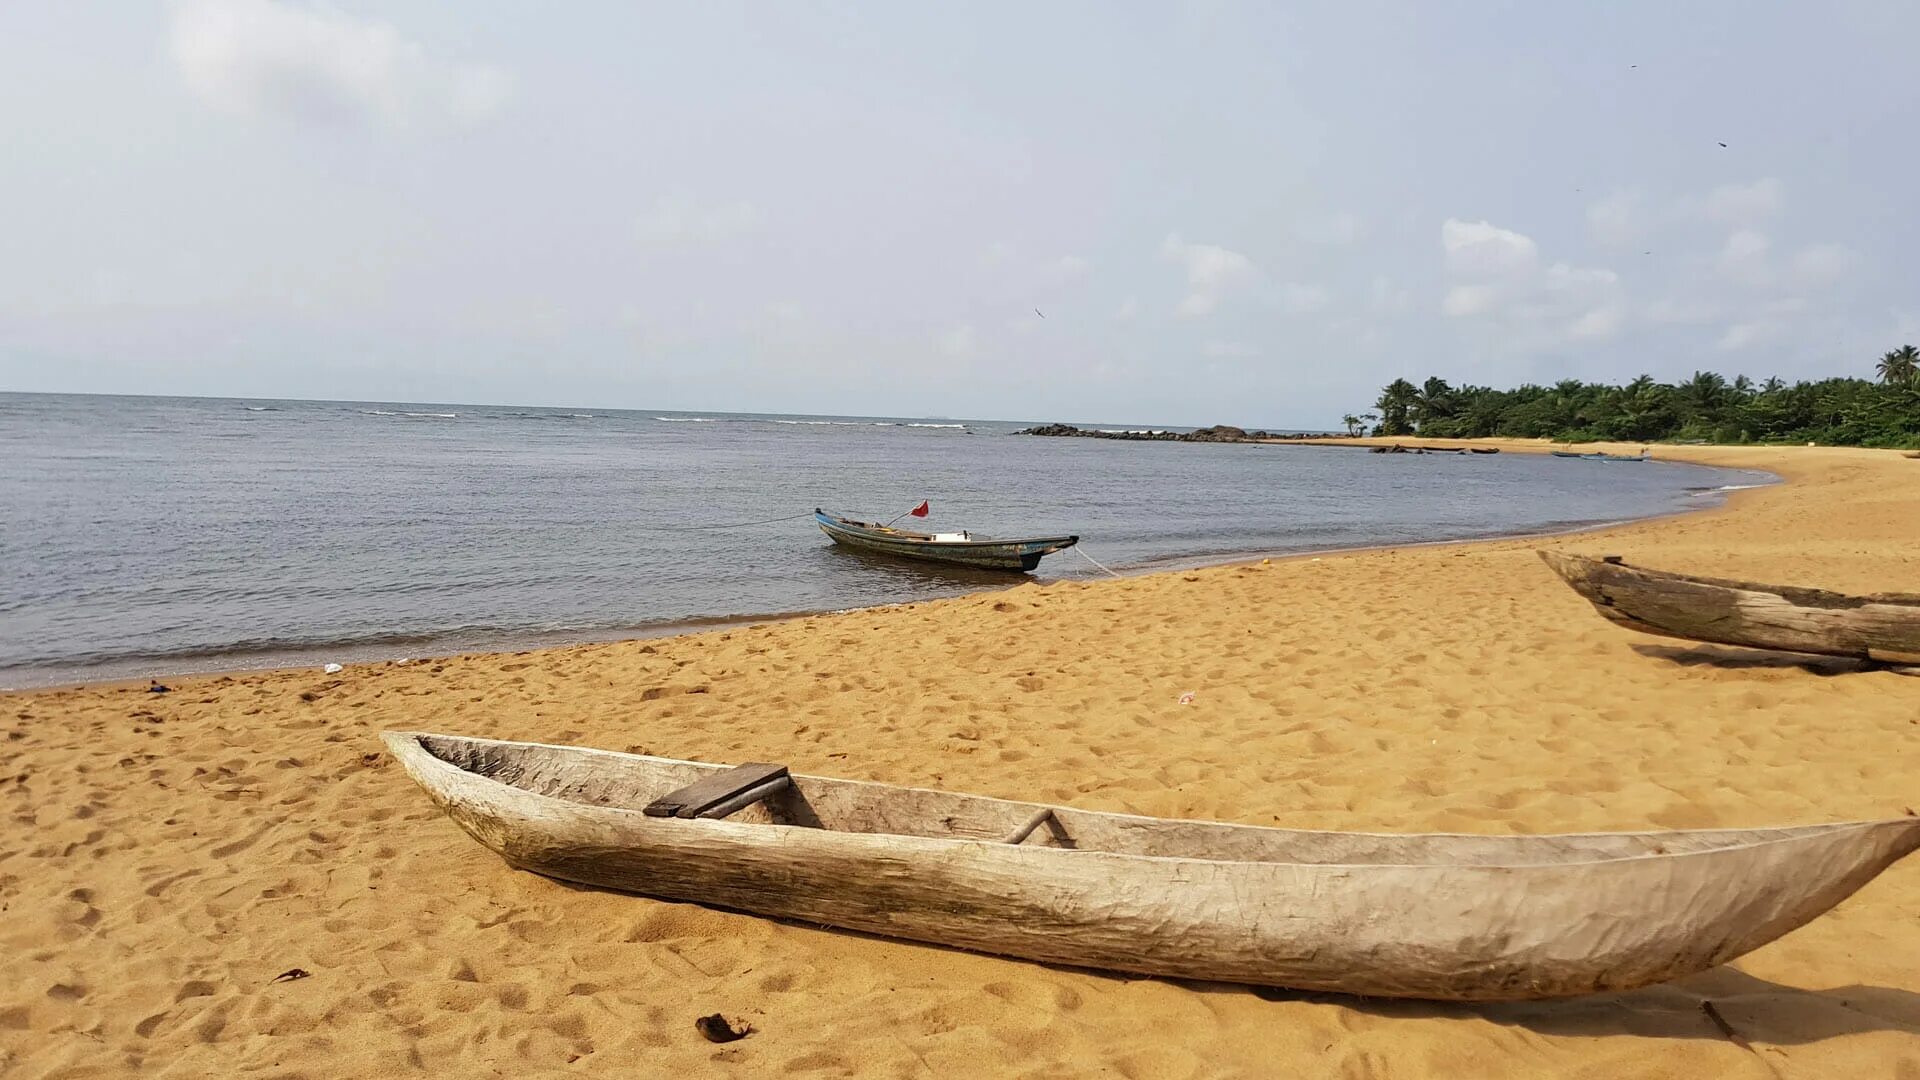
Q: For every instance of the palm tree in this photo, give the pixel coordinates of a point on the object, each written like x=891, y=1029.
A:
x=1705, y=391
x=1433, y=401
x=1900, y=367
x=1643, y=408
x=1353, y=424
x=1395, y=404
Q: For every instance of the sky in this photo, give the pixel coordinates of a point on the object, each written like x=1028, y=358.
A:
x=1156, y=213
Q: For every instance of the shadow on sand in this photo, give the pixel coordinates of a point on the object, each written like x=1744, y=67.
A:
x=1732, y=658
x=1753, y=1008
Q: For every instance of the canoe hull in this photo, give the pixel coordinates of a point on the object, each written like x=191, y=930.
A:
x=1881, y=628
x=1444, y=930
x=1019, y=556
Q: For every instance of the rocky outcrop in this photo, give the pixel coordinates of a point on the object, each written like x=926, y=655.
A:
x=1220, y=433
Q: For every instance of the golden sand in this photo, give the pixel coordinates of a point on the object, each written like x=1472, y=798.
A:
x=167, y=856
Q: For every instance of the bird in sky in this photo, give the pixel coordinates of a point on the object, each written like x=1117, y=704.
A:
x=1040, y=313
x=1723, y=146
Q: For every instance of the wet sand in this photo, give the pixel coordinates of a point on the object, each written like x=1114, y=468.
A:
x=168, y=855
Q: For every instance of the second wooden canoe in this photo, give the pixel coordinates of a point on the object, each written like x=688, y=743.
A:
x=1449, y=917
x=1883, y=627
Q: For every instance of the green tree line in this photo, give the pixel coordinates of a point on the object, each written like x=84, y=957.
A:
x=1832, y=412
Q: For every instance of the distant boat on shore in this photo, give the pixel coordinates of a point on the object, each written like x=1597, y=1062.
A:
x=960, y=548
x=1881, y=627
x=1641, y=456
x=1444, y=917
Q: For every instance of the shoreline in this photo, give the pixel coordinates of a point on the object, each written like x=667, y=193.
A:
x=178, y=855
x=373, y=654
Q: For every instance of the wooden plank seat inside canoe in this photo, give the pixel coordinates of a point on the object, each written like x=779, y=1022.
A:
x=722, y=793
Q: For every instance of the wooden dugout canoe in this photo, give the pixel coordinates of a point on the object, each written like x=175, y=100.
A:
x=1444, y=917
x=1883, y=626
x=962, y=548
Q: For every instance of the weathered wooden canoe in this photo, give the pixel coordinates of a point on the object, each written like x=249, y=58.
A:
x=1884, y=626
x=1436, y=916
x=962, y=548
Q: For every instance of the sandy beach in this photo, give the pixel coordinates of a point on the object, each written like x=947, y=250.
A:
x=168, y=856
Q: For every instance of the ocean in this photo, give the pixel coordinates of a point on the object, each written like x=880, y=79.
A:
x=145, y=536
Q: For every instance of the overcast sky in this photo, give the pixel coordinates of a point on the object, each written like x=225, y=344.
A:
x=1226, y=213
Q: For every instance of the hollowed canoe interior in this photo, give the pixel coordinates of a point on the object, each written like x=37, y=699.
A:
x=629, y=782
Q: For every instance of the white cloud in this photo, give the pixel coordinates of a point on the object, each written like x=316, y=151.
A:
x=1481, y=249
x=1598, y=324
x=1298, y=299
x=1128, y=308
x=1671, y=312
x=1822, y=264
x=1386, y=297
x=263, y=57
x=1743, y=258
x=1196, y=305
x=997, y=253
x=1065, y=268
x=1338, y=229
x=1745, y=244
x=1212, y=271
x=678, y=221
x=1614, y=222
x=1748, y=334
x=1465, y=300
x=957, y=342
x=1532, y=308
x=1744, y=204
x=1227, y=349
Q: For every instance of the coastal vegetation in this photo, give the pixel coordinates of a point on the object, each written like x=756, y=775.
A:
x=1708, y=407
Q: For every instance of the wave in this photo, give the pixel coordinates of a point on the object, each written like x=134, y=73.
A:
x=1698, y=493
x=414, y=415
x=803, y=423
x=261, y=408
x=300, y=649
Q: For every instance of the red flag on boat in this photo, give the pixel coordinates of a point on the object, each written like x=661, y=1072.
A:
x=919, y=511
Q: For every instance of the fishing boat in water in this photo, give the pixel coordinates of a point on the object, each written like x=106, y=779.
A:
x=1438, y=916
x=961, y=548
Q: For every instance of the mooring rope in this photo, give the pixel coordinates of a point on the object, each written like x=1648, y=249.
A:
x=1091, y=559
